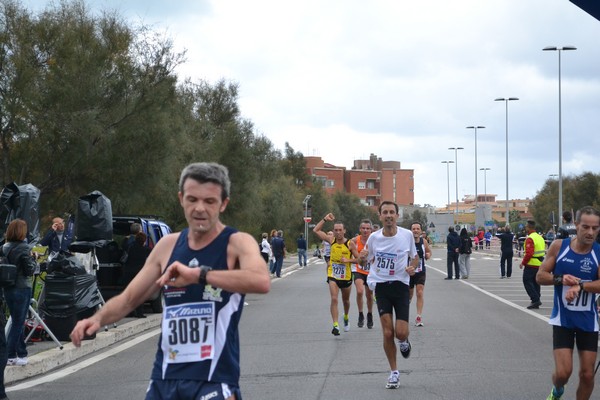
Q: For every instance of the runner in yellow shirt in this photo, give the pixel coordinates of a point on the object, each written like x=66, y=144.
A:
x=339, y=269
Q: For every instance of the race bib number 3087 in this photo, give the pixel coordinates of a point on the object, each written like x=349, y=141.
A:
x=188, y=332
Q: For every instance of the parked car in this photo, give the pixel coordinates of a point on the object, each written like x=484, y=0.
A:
x=110, y=267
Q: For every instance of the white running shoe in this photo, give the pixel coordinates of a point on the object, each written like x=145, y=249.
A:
x=393, y=381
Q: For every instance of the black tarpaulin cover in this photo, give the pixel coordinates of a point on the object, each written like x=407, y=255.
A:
x=21, y=201
x=94, y=217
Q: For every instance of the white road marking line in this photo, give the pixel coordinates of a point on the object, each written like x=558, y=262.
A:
x=83, y=364
x=520, y=308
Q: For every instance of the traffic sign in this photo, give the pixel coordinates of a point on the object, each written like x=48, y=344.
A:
x=307, y=219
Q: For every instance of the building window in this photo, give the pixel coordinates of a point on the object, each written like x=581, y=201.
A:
x=361, y=185
x=321, y=179
x=330, y=183
x=370, y=184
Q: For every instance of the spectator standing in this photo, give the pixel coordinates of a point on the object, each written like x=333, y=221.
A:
x=535, y=248
x=488, y=239
x=301, y=244
x=464, y=257
x=453, y=247
x=265, y=248
x=272, y=236
x=57, y=239
x=506, y=251
x=278, y=249
x=130, y=239
x=18, y=297
x=480, y=238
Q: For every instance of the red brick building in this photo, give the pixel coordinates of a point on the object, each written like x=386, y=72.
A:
x=372, y=180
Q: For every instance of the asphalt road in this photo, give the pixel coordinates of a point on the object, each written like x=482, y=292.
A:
x=478, y=342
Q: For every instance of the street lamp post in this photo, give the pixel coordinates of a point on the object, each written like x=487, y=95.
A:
x=448, y=176
x=306, y=218
x=485, y=170
x=506, y=100
x=560, y=180
x=456, y=174
x=475, y=127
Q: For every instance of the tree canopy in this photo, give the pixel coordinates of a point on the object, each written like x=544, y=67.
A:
x=91, y=102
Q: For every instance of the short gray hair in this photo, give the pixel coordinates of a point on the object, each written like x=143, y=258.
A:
x=204, y=172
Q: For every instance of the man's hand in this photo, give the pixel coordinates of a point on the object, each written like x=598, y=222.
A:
x=410, y=270
x=85, y=327
x=329, y=217
x=520, y=266
x=572, y=293
x=570, y=280
x=179, y=275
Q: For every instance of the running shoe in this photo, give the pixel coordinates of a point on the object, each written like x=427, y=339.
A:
x=552, y=396
x=361, y=320
x=336, y=331
x=369, y=320
x=418, y=321
x=346, y=325
x=21, y=361
x=393, y=381
x=405, y=348
x=11, y=361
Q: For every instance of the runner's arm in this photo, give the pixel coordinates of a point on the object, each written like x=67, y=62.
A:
x=317, y=229
x=545, y=275
x=247, y=271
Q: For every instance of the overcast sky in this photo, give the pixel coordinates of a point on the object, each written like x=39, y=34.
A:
x=342, y=79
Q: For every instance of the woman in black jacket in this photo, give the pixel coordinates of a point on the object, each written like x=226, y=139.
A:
x=18, y=297
x=464, y=257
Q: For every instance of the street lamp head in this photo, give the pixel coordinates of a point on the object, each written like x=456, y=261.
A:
x=554, y=48
x=513, y=98
x=499, y=99
x=447, y=162
x=475, y=127
x=484, y=169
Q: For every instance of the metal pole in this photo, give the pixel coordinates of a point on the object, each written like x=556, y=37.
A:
x=560, y=178
x=506, y=100
x=507, y=207
x=448, y=180
x=475, y=127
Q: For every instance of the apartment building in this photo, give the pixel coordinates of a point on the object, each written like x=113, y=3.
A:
x=372, y=180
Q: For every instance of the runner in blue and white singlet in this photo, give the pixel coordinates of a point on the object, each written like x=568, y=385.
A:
x=199, y=338
x=581, y=313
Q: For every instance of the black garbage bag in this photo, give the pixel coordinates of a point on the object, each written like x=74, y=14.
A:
x=94, y=217
x=67, y=295
x=66, y=264
x=21, y=202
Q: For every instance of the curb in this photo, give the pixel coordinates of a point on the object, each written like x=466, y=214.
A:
x=54, y=358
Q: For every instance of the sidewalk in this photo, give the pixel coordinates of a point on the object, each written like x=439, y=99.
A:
x=45, y=356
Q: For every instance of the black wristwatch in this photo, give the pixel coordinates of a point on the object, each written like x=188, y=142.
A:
x=558, y=280
x=581, y=290
x=203, y=272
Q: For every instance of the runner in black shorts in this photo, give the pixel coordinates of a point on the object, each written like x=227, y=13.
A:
x=418, y=279
x=392, y=258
